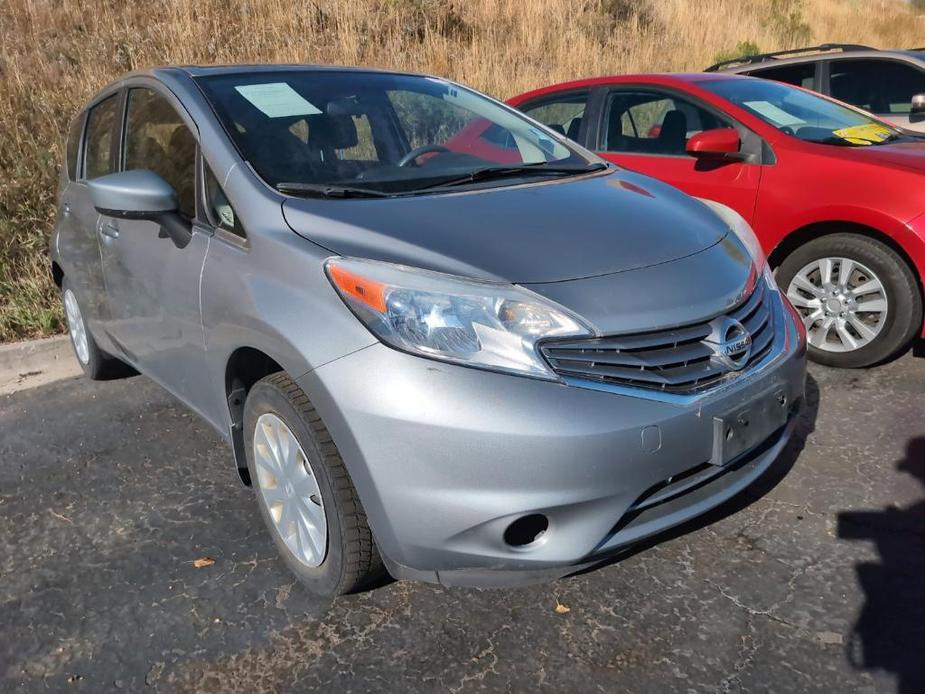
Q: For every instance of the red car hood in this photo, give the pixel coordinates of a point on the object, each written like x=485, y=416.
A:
x=906, y=155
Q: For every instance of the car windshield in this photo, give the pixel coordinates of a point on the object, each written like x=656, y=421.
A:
x=346, y=134
x=802, y=114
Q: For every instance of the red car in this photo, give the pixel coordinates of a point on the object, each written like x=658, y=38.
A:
x=836, y=197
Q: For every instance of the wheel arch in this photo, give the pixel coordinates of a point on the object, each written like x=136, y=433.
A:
x=245, y=366
x=915, y=260
x=57, y=273
x=789, y=243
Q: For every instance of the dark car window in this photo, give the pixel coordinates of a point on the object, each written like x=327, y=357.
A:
x=220, y=209
x=563, y=113
x=801, y=75
x=357, y=130
x=879, y=86
x=73, y=146
x=653, y=122
x=156, y=138
x=98, y=148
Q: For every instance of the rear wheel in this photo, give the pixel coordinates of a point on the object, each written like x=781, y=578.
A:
x=860, y=302
x=305, y=495
x=96, y=364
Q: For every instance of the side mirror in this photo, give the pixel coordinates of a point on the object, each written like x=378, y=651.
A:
x=717, y=144
x=140, y=194
x=918, y=104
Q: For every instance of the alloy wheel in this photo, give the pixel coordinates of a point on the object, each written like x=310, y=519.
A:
x=76, y=327
x=843, y=303
x=290, y=490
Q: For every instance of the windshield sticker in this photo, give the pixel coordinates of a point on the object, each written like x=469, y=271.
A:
x=277, y=100
x=866, y=134
x=776, y=115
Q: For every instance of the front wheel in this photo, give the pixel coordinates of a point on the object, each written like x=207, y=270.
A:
x=305, y=495
x=860, y=301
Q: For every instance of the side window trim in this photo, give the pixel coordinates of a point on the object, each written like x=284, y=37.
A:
x=119, y=130
x=821, y=76
x=78, y=159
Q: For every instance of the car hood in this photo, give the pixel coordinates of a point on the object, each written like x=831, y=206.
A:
x=539, y=232
x=905, y=155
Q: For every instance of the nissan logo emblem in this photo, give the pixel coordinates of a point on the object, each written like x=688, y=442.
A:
x=730, y=342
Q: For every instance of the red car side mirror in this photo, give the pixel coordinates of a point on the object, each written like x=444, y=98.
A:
x=719, y=143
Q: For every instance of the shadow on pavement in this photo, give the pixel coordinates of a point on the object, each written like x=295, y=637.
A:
x=889, y=634
x=778, y=470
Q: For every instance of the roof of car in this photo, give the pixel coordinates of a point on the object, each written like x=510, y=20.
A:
x=233, y=69
x=662, y=78
x=827, y=51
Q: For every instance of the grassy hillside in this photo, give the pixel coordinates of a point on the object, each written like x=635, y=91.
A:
x=56, y=53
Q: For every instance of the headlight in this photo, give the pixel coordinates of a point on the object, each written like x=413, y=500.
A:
x=483, y=324
x=740, y=228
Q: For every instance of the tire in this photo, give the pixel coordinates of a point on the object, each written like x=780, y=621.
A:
x=97, y=365
x=350, y=560
x=894, y=331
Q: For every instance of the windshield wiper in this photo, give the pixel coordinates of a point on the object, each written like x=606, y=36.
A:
x=843, y=142
x=325, y=190
x=840, y=142
x=492, y=172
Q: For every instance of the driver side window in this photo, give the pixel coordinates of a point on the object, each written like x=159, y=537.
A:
x=156, y=138
x=651, y=122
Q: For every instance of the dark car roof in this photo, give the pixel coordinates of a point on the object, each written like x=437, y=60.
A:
x=192, y=71
x=234, y=69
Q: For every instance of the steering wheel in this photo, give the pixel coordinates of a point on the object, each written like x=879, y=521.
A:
x=411, y=156
x=787, y=130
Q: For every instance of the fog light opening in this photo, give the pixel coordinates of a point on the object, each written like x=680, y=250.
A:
x=524, y=531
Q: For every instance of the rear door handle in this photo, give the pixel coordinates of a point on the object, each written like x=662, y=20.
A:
x=109, y=229
x=66, y=210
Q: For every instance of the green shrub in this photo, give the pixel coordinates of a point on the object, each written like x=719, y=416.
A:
x=741, y=49
x=785, y=17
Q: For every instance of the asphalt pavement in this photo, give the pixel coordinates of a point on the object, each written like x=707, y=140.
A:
x=812, y=581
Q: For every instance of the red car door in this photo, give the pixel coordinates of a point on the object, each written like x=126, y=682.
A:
x=646, y=129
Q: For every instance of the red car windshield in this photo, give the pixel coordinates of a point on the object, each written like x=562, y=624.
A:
x=802, y=114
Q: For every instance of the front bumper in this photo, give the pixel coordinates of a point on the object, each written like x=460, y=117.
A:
x=445, y=458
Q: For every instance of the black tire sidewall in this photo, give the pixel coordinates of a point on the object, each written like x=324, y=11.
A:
x=903, y=294
x=326, y=579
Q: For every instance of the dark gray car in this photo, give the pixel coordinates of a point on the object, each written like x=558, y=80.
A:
x=437, y=335
x=889, y=84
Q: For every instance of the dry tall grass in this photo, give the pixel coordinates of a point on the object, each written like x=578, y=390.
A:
x=55, y=53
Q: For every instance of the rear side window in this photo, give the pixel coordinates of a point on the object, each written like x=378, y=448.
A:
x=156, y=138
x=563, y=113
x=801, y=75
x=99, y=139
x=73, y=146
x=879, y=86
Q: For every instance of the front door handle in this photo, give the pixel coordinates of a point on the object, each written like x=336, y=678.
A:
x=109, y=229
x=66, y=210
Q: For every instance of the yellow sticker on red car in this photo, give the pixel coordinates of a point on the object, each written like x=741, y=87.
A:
x=869, y=133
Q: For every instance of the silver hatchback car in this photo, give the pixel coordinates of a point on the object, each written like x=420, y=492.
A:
x=441, y=339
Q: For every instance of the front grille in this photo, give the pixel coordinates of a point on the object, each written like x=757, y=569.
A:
x=675, y=361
